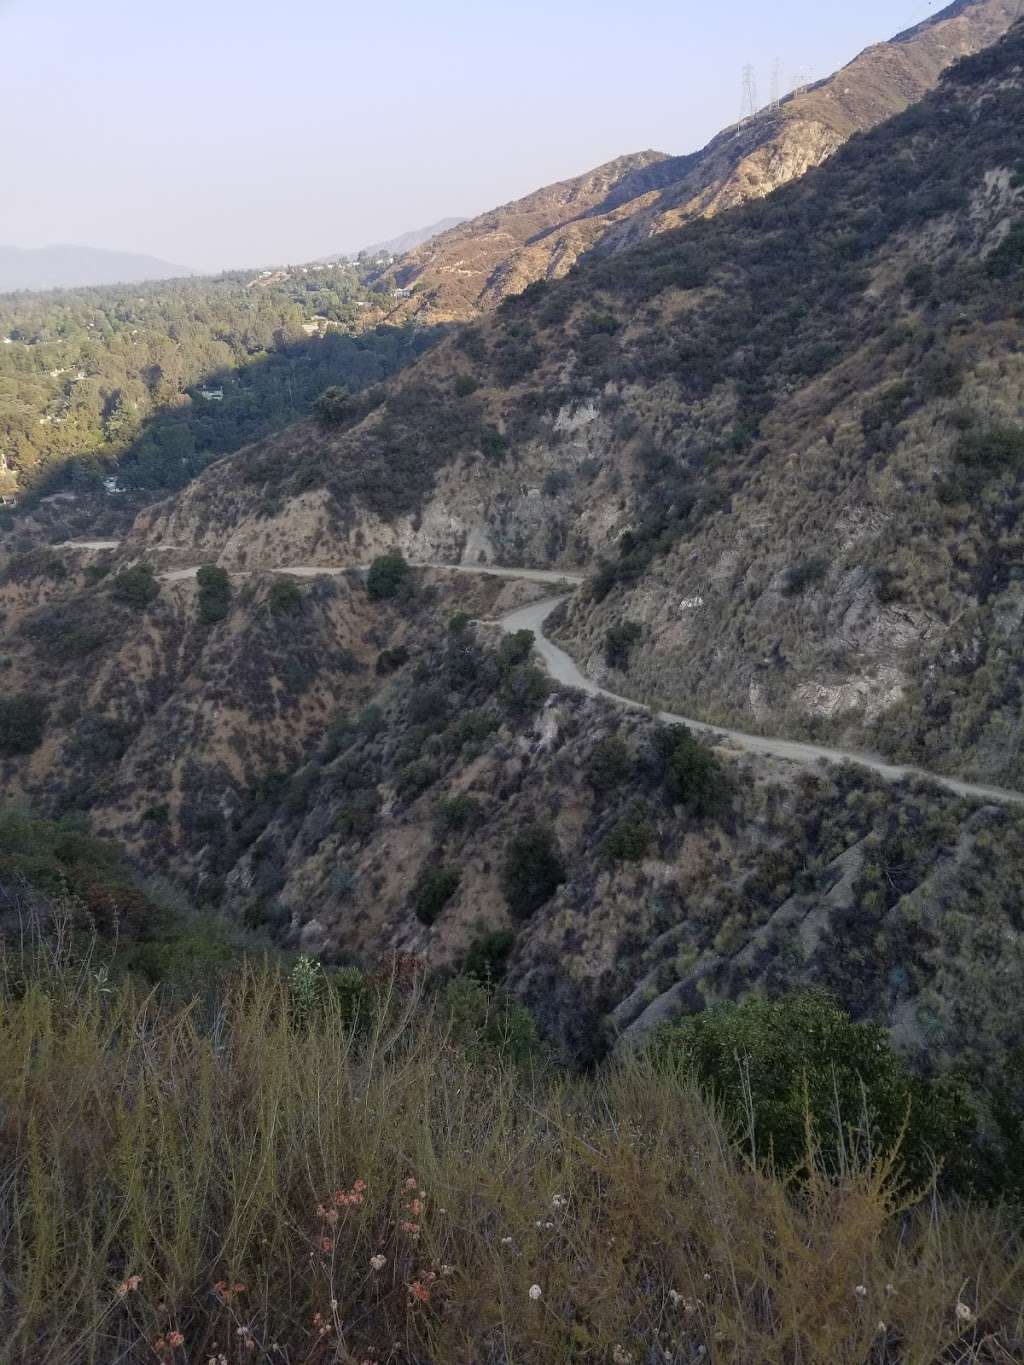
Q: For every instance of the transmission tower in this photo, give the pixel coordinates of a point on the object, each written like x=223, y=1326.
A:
x=776, y=89
x=750, y=105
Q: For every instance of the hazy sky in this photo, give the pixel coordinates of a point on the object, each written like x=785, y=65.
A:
x=218, y=133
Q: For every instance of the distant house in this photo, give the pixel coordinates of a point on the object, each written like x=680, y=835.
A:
x=8, y=500
x=212, y=395
x=112, y=486
x=401, y=293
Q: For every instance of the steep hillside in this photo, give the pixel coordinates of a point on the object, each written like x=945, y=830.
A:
x=360, y=778
x=172, y=709
x=615, y=872
x=488, y=258
x=788, y=438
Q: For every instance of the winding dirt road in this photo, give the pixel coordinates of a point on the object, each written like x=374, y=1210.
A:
x=563, y=669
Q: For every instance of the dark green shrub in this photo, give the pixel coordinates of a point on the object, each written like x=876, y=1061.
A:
x=429, y=706
x=284, y=597
x=524, y=690
x=472, y=728
x=488, y=956
x=459, y=813
x=458, y=623
x=609, y=764
x=532, y=871
x=493, y=444
x=515, y=650
x=356, y=816
x=692, y=774
x=214, y=594
x=136, y=587
x=434, y=889
x=490, y=1023
x=22, y=723
x=992, y=448
x=631, y=838
x=465, y=384
x=388, y=660
x=919, y=280
x=415, y=778
x=335, y=406
x=779, y=1061
x=801, y=576
x=389, y=576
x=618, y=643
x=353, y=994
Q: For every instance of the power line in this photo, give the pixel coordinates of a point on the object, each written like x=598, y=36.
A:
x=776, y=89
x=750, y=104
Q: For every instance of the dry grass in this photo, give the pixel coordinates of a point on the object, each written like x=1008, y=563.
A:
x=202, y=1154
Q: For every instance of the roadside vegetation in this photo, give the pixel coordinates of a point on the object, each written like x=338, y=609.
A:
x=314, y=1167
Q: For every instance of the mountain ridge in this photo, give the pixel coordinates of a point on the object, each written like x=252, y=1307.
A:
x=404, y=241
x=69, y=266
x=474, y=267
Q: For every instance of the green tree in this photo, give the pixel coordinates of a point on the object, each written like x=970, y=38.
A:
x=214, y=594
x=532, y=870
x=693, y=776
x=284, y=597
x=389, y=576
x=630, y=840
x=609, y=764
x=434, y=889
x=136, y=587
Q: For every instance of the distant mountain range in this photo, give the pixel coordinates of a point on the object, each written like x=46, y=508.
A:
x=405, y=241
x=467, y=270
x=71, y=267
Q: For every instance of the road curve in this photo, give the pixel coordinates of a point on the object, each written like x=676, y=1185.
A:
x=563, y=669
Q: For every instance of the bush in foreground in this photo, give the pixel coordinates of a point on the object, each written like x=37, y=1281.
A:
x=776, y=1067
